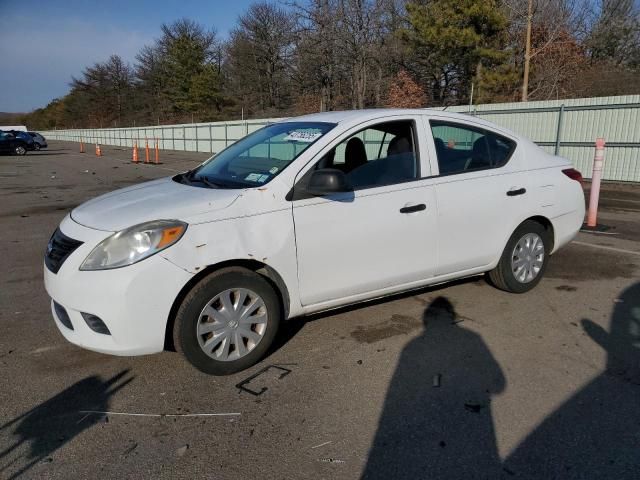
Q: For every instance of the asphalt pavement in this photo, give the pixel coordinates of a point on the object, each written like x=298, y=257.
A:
x=456, y=381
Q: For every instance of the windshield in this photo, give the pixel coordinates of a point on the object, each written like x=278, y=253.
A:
x=257, y=158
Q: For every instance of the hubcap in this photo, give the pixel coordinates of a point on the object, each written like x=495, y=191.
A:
x=527, y=258
x=232, y=324
x=20, y=150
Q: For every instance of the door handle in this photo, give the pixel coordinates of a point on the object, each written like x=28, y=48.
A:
x=413, y=208
x=519, y=191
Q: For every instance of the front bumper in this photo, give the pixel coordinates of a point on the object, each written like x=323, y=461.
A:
x=133, y=302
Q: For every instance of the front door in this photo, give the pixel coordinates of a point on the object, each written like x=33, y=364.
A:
x=383, y=234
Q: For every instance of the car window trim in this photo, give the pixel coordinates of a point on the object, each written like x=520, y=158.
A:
x=476, y=128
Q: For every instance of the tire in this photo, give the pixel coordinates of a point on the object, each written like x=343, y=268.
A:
x=20, y=150
x=36, y=146
x=519, y=274
x=209, y=295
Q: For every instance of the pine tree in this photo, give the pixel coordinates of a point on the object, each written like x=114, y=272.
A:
x=452, y=42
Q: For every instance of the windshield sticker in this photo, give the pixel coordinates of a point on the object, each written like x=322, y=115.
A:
x=252, y=177
x=273, y=170
x=302, y=136
x=263, y=178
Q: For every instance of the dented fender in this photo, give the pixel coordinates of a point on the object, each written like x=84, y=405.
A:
x=266, y=237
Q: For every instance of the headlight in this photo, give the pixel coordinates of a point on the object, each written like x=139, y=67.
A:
x=134, y=244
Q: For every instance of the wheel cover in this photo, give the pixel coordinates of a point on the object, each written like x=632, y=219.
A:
x=527, y=258
x=232, y=324
x=20, y=151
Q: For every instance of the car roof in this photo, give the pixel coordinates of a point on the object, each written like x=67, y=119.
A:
x=358, y=116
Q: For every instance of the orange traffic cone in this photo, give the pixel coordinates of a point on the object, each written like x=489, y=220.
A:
x=146, y=150
x=157, y=153
x=98, y=150
x=135, y=152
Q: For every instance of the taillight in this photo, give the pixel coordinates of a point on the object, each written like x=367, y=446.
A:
x=573, y=174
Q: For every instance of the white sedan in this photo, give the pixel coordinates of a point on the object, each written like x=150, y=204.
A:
x=308, y=214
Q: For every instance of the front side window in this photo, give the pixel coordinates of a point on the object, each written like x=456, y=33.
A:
x=382, y=154
x=463, y=148
x=257, y=158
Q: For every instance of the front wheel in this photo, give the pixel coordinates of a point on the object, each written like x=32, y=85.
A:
x=36, y=146
x=228, y=321
x=523, y=260
x=20, y=150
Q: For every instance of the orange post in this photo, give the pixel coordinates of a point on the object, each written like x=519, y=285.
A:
x=594, y=196
x=157, y=152
x=135, y=152
x=81, y=145
x=98, y=150
x=146, y=150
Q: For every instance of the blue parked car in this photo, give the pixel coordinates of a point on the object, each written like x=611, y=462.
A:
x=9, y=143
x=39, y=140
x=28, y=139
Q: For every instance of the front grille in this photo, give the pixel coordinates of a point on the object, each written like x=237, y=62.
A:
x=58, y=250
x=62, y=315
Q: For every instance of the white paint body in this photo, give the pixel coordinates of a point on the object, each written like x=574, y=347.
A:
x=327, y=253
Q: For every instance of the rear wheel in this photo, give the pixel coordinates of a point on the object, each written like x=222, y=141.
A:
x=228, y=321
x=523, y=260
x=20, y=150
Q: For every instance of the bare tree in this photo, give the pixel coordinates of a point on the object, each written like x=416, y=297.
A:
x=317, y=68
x=545, y=37
x=615, y=35
x=259, y=55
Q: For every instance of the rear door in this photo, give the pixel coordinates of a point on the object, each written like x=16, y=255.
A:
x=383, y=234
x=479, y=192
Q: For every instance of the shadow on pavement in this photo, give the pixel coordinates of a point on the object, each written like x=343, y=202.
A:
x=596, y=433
x=444, y=431
x=292, y=327
x=52, y=424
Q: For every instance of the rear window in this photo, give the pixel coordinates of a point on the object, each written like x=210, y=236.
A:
x=463, y=148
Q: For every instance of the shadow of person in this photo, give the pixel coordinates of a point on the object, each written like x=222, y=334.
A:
x=442, y=432
x=57, y=421
x=596, y=433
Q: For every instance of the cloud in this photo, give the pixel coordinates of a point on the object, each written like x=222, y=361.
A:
x=40, y=56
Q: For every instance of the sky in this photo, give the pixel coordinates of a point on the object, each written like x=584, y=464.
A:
x=43, y=43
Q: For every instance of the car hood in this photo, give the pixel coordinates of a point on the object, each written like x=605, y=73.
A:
x=162, y=199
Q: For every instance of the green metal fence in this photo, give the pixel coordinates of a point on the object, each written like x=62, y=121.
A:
x=565, y=127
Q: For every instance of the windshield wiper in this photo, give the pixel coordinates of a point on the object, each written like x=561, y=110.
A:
x=210, y=183
x=189, y=178
x=184, y=178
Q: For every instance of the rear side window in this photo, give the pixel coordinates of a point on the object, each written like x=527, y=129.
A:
x=463, y=148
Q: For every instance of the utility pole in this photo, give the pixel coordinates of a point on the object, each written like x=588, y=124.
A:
x=527, y=53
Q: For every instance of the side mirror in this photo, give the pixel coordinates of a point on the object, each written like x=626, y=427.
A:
x=327, y=181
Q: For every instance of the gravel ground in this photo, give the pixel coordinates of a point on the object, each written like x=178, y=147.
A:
x=458, y=381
